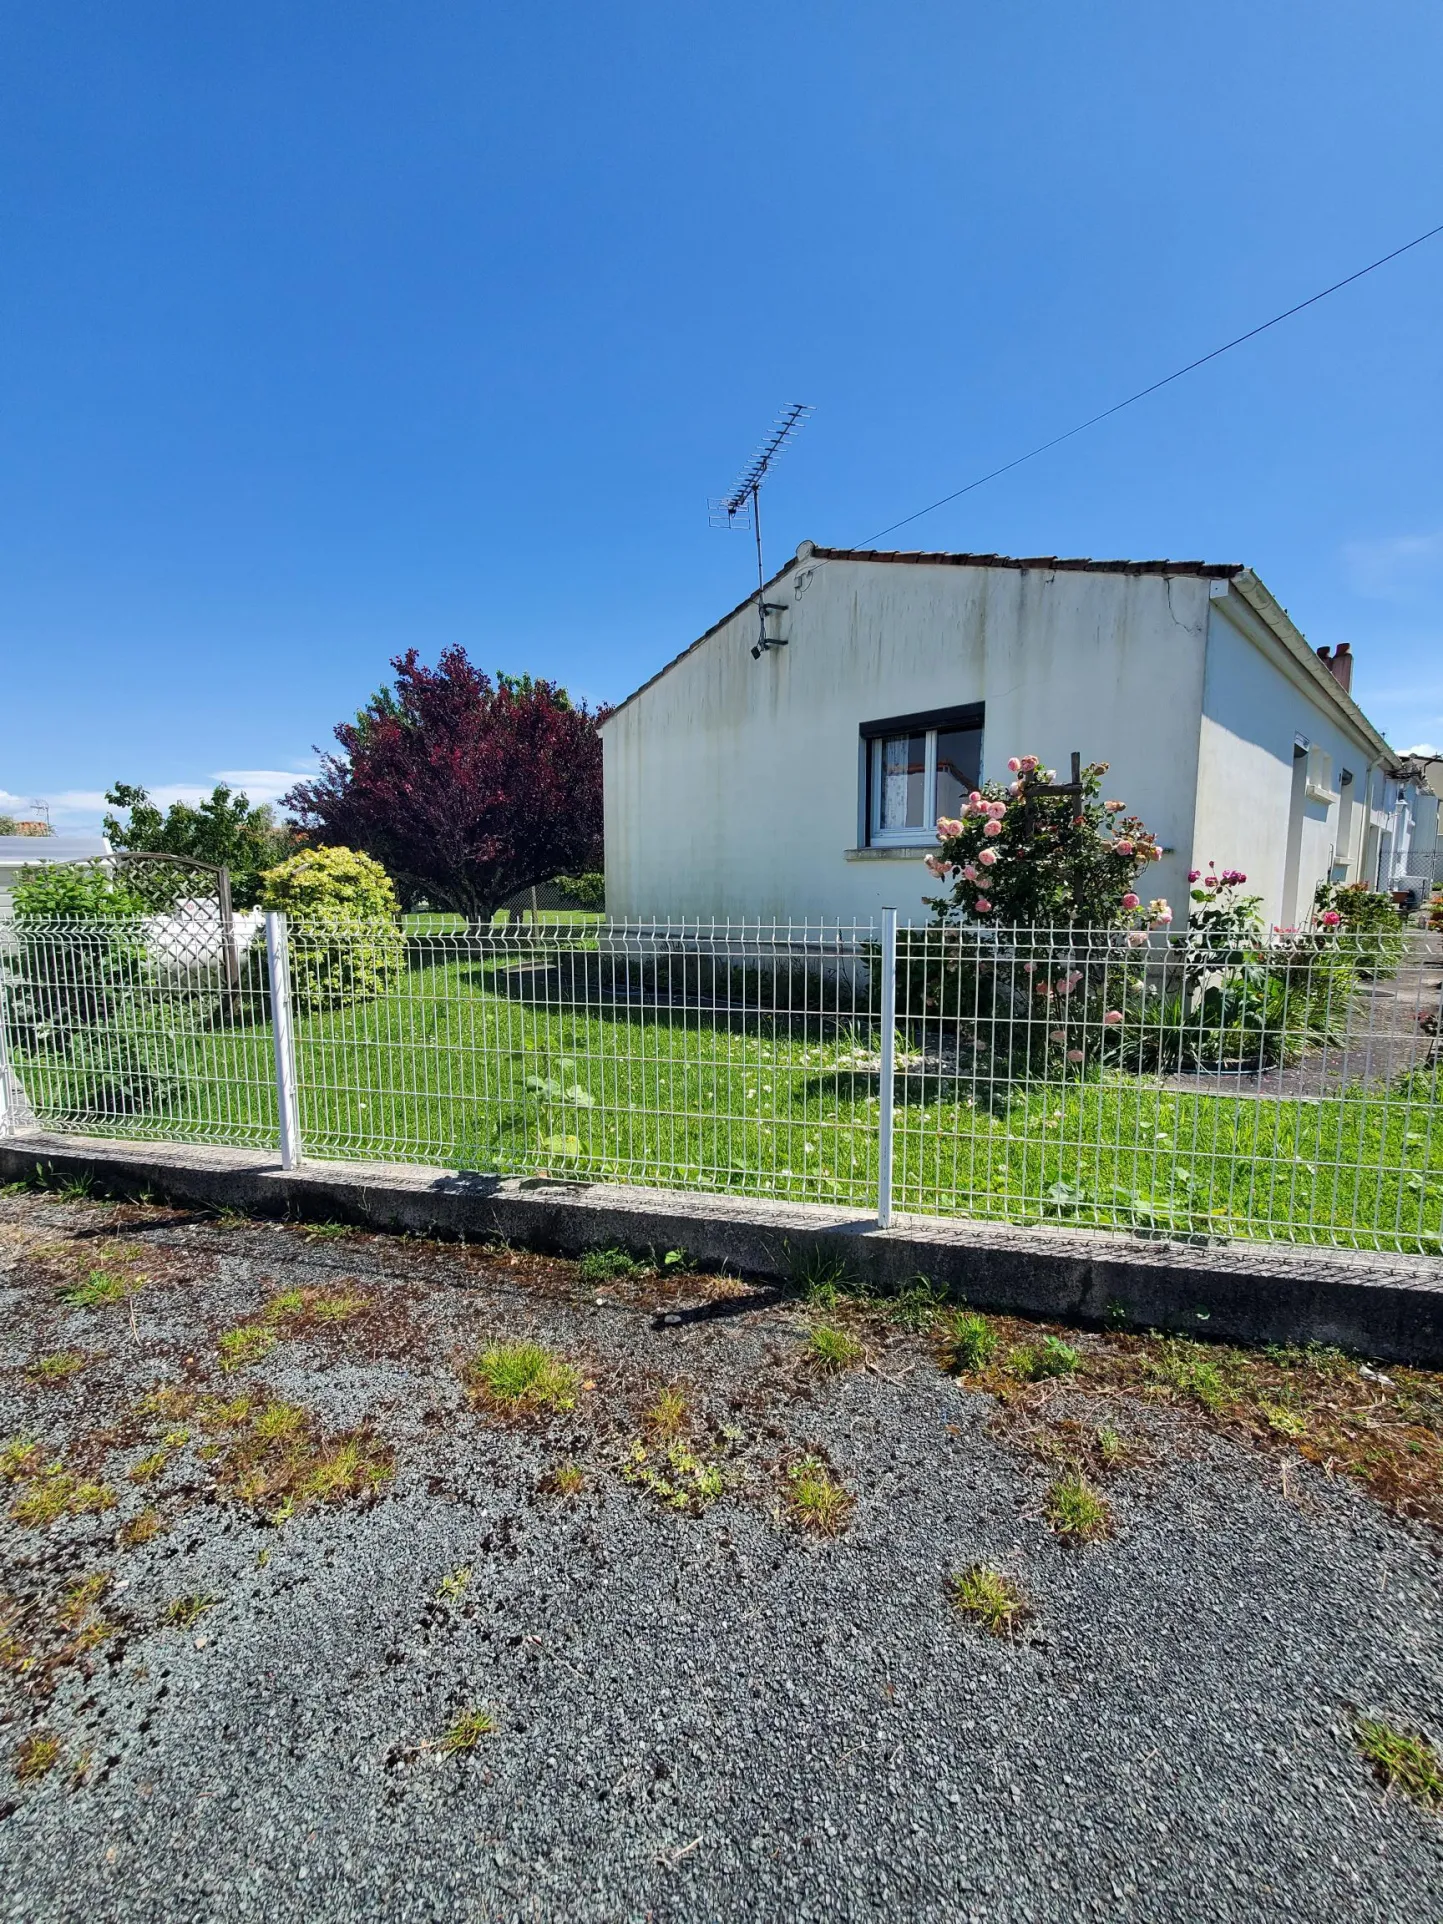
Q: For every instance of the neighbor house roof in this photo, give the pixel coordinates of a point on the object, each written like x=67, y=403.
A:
x=1273, y=616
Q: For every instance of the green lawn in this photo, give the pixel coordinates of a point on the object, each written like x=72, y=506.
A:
x=458, y=1069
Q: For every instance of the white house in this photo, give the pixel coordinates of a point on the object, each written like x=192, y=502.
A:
x=19, y=852
x=792, y=762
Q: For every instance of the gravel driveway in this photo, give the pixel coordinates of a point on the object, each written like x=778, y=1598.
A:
x=699, y=1714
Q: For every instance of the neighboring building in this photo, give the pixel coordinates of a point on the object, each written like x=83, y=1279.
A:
x=793, y=764
x=1410, y=859
x=27, y=850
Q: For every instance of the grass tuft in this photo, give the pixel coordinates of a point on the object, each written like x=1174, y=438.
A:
x=1402, y=1760
x=1036, y=1362
x=993, y=1599
x=246, y=1344
x=830, y=1349
x=19, y=1456
x=604, y=1265
x=139, y=1530
x=452, y=1586
x=567, y=1479
x=148, y=1467
x=182, y=1612
x=818, y=1503
x=466, y=1731
x=101, y=1287
x=1075, y=1511
x=524, y=1376
x=59, y=1364
x=668, y=1414
x=37, y=1754
x=971, y=1341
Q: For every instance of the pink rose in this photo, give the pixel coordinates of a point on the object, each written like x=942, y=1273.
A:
x=1044, y=988
x=1074, y=1055
x=969, y=872
x=1013, y=765
x=1057, y=1035
x=984, y=907
x=1112, y=1018
x=1193, y=874
x=1330, y=918
x=948, y=826
x=1131, y=901
x=1028, y=967
x=974, y=800
x=987, y=857
x=1123, y=847
x=993, y=828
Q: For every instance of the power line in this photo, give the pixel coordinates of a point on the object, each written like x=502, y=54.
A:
x=1143, y=392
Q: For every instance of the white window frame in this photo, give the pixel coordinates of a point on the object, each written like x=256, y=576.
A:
x=929, y=726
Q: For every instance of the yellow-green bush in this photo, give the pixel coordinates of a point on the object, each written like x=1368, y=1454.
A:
x=344, y=918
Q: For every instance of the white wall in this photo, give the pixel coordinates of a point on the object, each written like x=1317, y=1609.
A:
x=732, y=784
x=1256, y=704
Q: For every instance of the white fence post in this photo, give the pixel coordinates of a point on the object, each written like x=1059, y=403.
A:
x=9, y=1125
x=278, y=958
x=888, y=1075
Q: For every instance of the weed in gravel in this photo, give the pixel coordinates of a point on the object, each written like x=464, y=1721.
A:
x=971, y=1341
x=81, y=1598
x=676, y=1476
x=348, y=1468
x=59, y=1364
x=286, y=1302
x=818, y=1274
x=917, y=1305
x=1036, y=1362
x=278, y=1422
x=1075, y=1511
x=1402, y=1760
x=604, y=1265
x=182, y=1612
x=452, y=1586
x=78, y=1775
x=830, y=1349
x=100, y=1288
x=1112, y=1448
x=993, y=1599
x=55, y=1491
x=1278, y=1416
x=668, y=1414
x=337, y=1306
x=37, y=1754
x=148, y=1467
x=524, y=1376
x=818, y=1503
x=327, y=1232
x=165, y=1401
x=466, y=1731
x=139, y=1530
x=567, y=1479
x=1191, y=1369
x=19, y=1456
x=246, y=1344
x=176, y=1439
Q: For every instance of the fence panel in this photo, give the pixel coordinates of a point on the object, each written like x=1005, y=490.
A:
x=135, y=1026
x=708, y=1056
x=1279, y=1088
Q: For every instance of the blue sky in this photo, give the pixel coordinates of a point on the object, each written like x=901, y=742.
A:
x=335, y=329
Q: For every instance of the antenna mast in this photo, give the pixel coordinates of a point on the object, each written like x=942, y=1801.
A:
x=742, y=508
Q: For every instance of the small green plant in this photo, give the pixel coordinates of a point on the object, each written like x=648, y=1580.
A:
x=1111, y=1447
x=567, y=1479
x=1075, y=1511
x=604, y=1265
x=338, y=1306
x=668, y=1414
x=972, y=1342
x=990, y=1597
x=818, y=1273
x=81, y=1597
x=916, y=1306
x=59, y=1364
x=37, y=1754
x=99, y=1289
x=1279, y=1417
x=148, y=1467
x=279, y=1422
x=76, y=1188
x=246, y=1344
x=1035, y=1363
x=182, y=1612
x=452, y=1586
x=830, y=1350
x=139, y=1530
x=1402, y=1760
x=675, y=1476
x=466, y=1731
x=1190, y=1369
x=19, y=1456
x=819, y=1504
x=327, y=1232
x=525, y=1376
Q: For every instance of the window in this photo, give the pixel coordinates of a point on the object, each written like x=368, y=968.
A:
x=915, y=768
x=1320, y=775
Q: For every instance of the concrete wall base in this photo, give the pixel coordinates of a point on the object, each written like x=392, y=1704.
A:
x=1385, y=1306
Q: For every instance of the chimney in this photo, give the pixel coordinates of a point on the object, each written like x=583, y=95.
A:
x=1339, y=665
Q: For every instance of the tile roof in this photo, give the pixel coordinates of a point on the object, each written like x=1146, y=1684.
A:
x=1210, y=570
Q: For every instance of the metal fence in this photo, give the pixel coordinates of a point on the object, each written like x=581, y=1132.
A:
x=1188, y=1084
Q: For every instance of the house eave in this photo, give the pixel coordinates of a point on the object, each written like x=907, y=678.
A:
x=1294, y=643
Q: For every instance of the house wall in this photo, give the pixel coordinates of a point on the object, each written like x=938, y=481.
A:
x=1257, y=707
x=732, y=785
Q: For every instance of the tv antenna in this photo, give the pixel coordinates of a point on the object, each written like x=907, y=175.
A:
x=742, y=508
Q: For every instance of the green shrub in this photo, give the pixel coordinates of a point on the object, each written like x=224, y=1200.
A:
x=1367, y=922
x=584, y=891
x=345, y=930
